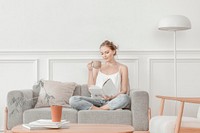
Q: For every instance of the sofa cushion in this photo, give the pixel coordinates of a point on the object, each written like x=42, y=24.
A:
x=55, y=92
x=105, y=116
x=80, y=90
x=45, y=113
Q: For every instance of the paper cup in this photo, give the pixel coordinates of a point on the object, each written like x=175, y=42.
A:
x=56, y=113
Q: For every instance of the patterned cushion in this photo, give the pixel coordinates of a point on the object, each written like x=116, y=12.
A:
x=55, y=92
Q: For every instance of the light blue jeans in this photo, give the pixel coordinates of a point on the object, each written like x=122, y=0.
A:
x=85, y=103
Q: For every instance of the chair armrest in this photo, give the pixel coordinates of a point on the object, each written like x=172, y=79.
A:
x=182, y=99
x=17, y=102
x=140, y=110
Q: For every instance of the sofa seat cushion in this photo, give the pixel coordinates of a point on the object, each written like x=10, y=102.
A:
x=105, y=116
x=45, y=113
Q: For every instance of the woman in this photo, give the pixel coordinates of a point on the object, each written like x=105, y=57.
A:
x=111, y=69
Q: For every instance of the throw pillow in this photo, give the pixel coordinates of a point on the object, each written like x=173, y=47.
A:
x=55, y=93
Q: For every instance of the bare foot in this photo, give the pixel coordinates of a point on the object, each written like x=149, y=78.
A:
x=105, y=107
x=95, y=108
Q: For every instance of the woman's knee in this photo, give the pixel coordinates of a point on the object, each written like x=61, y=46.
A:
x=121, y=101
x=73, y=100
x=125, y=99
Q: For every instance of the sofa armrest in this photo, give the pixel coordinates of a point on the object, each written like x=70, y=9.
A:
x=140, y=109
x=17, y=102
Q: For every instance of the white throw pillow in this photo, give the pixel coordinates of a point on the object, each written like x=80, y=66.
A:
x=55, y=93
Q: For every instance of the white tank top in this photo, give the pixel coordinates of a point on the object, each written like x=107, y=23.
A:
x=116, y=78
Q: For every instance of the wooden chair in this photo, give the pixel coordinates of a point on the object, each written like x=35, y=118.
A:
x=178, y=124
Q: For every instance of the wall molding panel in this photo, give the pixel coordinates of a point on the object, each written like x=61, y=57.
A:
x=134, y=62
x=75, y=52
x=182, y=65
x=167, y=60
x=149, y=70
x=34, y=61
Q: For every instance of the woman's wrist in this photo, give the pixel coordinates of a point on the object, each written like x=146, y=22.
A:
x=111, y=97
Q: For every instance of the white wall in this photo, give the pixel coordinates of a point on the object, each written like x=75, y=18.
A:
x=84, y=24
x=31, y=29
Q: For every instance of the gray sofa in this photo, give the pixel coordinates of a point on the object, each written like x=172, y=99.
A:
x=20, y=111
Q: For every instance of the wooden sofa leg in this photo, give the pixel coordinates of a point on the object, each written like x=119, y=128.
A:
x=149, y=114
x=5, y=120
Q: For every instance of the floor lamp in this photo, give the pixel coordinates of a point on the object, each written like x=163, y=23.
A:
x=174, y=23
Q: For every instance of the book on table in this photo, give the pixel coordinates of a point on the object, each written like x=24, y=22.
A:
x=46, y=123
x=108, y=89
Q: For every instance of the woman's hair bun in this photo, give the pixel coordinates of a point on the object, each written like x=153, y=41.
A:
x=109, y=44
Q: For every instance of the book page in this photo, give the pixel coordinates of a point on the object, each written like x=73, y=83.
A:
x=96, y=92
x=109, y=89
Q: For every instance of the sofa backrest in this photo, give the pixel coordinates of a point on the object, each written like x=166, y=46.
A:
x=81, y=90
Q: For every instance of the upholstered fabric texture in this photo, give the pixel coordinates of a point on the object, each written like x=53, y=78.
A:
x=45, y=113
x=17, y=102
x=140, y=106
x=105, y=117
x=55, y=93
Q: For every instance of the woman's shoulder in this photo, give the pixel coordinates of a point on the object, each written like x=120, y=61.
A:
x=123, y=67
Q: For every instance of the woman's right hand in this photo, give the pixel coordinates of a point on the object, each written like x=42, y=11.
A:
x=89, y=65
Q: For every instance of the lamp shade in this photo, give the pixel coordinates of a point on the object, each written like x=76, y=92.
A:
x=174, y=23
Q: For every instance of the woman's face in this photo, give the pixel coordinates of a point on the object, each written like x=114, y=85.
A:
x=106, y=53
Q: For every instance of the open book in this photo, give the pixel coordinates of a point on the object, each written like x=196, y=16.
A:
x=108, y=89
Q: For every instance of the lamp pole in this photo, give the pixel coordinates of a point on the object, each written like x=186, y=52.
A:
x=175, y=65
x=175, y=68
